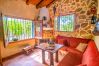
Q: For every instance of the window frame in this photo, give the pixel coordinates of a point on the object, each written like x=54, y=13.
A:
x=17, y=18
x=58, y=30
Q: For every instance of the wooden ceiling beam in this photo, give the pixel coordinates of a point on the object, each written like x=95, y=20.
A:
x=27, y=2
x=39, y=3
x=51, y=3
x=44, y=3
x=34, y=2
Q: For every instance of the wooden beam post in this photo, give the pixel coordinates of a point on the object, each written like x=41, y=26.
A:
x=1, y=64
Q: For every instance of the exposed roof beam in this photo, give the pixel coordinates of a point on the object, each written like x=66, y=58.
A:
x=27, y=2
x=34, y=2
x=39, y=3
x=44, y=3
x=51, y=3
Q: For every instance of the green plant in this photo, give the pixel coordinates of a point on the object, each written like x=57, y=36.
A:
x=15, y=39
x=15, y=27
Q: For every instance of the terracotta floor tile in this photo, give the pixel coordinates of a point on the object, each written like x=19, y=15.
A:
x=24, y=60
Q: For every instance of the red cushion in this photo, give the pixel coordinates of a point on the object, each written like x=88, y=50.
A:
x=75, y=41
x=70, y=59
x=61, y=41
x=57, y=37
x=66, y=43
x=91, y=53
x=82, y=65
x=72, y=42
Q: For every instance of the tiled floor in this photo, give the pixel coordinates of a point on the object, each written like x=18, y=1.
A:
x=24, y=60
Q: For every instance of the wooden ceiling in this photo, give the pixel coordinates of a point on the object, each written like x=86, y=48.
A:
x=40, y=3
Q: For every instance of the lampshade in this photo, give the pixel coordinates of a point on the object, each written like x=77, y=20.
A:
x=44, y=14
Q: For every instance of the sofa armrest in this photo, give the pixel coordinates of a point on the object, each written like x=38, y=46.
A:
x=70, y=59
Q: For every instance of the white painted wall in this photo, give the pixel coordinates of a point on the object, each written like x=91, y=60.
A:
x=44, y=12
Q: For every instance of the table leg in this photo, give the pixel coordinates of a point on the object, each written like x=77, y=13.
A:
x=1, y=64
x=43, y=56
x=48, y=55
x=56, y=57
x=51, y=59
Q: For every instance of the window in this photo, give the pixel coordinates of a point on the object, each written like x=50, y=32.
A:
x=65, y=23
x=17, y=29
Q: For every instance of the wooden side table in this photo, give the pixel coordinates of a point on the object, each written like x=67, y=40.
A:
x=51, y=52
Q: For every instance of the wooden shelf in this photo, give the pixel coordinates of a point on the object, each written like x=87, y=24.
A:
x=38, y=37
x=47, y=28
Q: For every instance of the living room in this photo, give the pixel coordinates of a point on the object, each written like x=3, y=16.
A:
x=66, y=21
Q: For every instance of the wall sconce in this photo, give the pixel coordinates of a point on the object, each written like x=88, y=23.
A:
x=96, y=29
x=93, y=19
x=97, y=25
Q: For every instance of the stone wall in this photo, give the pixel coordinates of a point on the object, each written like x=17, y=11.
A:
x=81, y=8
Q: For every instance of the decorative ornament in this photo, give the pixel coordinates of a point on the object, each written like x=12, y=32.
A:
x=93, y=10
x=54, y=10
x=93, y=19
x=44, y=18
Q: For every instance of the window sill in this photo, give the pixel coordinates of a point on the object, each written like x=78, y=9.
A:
x=20, y=40
x=47, y=28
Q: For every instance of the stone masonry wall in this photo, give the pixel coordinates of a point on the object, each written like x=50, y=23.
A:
x=81, y=8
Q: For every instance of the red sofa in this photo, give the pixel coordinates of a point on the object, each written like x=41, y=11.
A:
x=90, y=57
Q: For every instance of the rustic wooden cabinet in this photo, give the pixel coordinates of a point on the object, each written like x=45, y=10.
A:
x=47, y=32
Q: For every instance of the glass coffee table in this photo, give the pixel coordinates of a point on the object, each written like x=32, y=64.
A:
x=44, y=48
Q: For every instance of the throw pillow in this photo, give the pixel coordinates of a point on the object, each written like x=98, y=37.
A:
x=81, y=47
x=66, y=43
